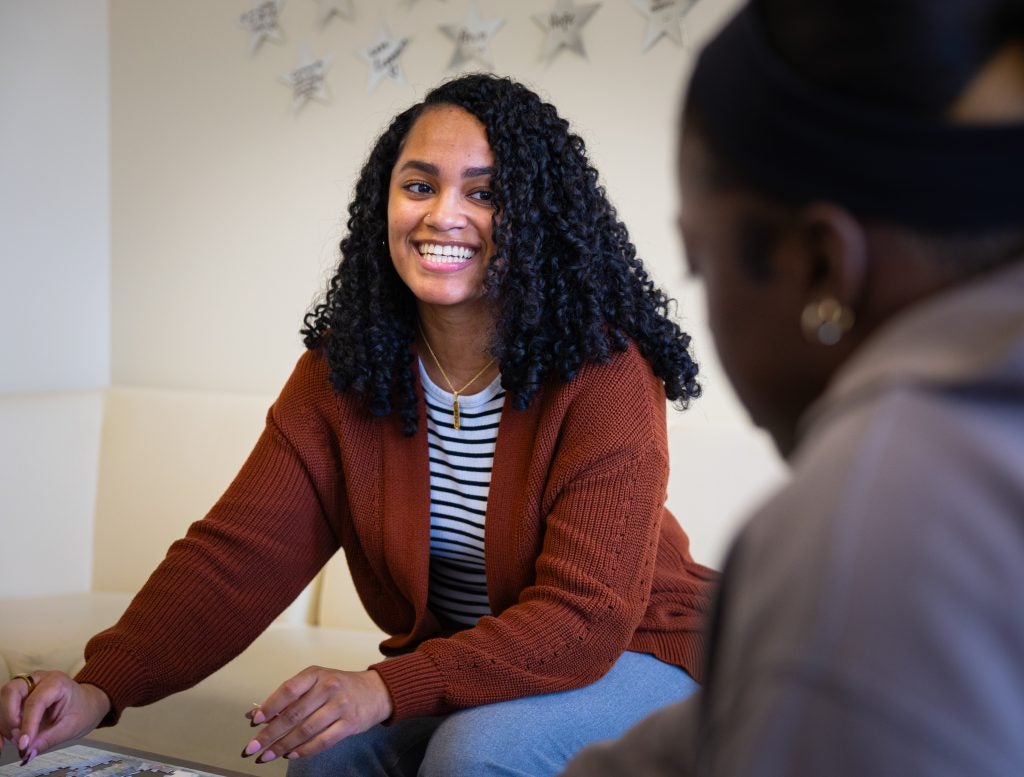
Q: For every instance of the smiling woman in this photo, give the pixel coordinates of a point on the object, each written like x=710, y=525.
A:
x=439, y=218
x=563, y=279
x=479, y=424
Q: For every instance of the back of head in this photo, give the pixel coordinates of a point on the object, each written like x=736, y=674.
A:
x=909, y=56
x=859, y=102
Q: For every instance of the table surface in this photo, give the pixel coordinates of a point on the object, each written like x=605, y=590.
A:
x=10, y=755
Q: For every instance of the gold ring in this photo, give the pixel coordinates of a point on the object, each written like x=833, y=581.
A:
x=28, y=679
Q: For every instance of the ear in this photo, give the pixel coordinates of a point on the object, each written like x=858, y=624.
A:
x=828, y=254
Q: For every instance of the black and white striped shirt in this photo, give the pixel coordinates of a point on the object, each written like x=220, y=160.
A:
x=460, y=479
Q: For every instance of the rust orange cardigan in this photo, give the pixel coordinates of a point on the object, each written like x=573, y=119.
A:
x=583, y=560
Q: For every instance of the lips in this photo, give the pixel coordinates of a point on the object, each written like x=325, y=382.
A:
x=446, y=253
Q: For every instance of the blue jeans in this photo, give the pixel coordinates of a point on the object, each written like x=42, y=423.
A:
x=534, y=736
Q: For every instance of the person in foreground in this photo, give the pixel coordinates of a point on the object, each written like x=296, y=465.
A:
x=853, y=198
x=479, y=424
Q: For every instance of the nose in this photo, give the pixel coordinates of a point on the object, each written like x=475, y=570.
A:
x=447, y=212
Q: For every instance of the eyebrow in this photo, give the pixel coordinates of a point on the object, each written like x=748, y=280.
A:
x=429, y=169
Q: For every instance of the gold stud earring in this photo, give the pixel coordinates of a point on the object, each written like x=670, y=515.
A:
x=826, y=321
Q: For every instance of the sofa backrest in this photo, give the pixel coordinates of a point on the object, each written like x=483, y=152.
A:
x=49, y=453
x=165, y=458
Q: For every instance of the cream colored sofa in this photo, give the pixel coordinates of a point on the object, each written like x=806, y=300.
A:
x=162, y=458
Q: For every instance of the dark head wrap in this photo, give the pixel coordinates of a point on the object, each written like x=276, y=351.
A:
x=800, y=142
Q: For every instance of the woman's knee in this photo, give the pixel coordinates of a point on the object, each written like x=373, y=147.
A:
x=485, y=743
x=537, y=735
x=455, y=748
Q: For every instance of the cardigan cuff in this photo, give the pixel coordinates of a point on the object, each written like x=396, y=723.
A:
x=117, y=674
x=415, y=685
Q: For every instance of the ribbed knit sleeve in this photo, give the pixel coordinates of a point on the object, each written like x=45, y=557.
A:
x=599, y=519
x=220, y=586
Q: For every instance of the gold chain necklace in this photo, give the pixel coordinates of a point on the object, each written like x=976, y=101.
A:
x=455, y=393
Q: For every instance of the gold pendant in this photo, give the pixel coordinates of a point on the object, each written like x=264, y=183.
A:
x=455, y=411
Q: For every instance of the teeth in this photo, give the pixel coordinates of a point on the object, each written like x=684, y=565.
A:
x=446, y=254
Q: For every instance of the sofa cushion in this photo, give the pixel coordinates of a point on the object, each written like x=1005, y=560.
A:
x=165, y=458
x=49, y=452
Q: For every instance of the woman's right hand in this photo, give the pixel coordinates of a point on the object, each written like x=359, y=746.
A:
x=56, y=710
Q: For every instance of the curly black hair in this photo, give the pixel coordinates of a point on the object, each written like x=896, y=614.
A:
x=568, y=285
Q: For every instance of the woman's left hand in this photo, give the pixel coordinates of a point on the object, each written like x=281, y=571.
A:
x=316, y=709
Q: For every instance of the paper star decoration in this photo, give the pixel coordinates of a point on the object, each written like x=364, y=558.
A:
x=664, y=19
x=563, y=27
x=328, y=9
x=308, y=79
x=382, y=57
x=472, y=38
x=263, y=21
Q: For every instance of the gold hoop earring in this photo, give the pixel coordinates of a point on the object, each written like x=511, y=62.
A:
x=826, y=321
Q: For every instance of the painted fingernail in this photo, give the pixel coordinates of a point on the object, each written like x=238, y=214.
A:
x=252, y=747
x=266, y=756
x=292, y=755
x=258, y=717
x=23, y=742
x=28, y=758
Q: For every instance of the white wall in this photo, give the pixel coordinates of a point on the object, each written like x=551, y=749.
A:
x=54, y=196
x=54, y=287
x=228, y=205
